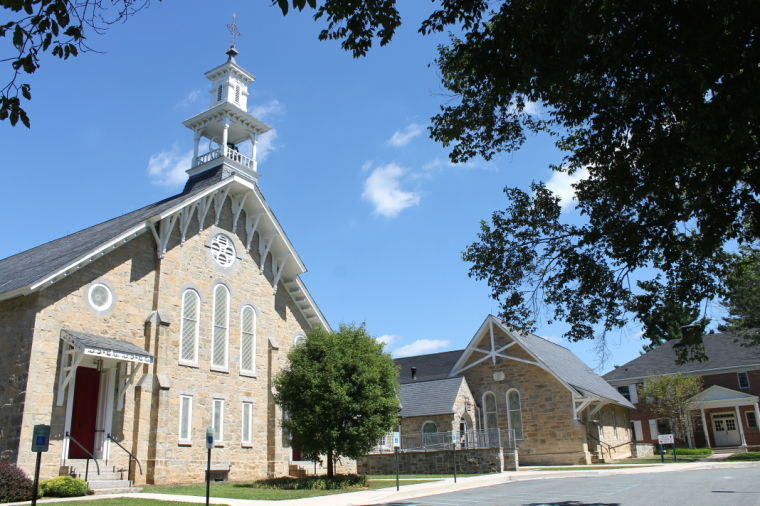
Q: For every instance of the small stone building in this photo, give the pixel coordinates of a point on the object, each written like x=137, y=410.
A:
x=558, y=409
x=137, y=334
x=724, y=414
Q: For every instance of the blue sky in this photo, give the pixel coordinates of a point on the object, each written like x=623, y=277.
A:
x=374, y=208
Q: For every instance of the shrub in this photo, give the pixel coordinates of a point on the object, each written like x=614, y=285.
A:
x=15, y=485
x=339, y=481
x=745, y=456
x=64, y=486
x=697, y=452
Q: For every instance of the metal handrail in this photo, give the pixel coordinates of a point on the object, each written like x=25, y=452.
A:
x=91, y=456
x=129, y=467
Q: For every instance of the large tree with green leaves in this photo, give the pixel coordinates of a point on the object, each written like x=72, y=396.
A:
x=667, y=397
x=742, y=295
x=340, y=393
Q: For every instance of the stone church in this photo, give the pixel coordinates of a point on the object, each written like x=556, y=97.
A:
x=134, y=336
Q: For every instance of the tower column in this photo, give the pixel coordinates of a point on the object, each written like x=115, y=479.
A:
x=254, y=142
x=196, y=143
x=224, y=135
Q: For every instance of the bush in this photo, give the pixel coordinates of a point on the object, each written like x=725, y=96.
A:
x=15, y=485
x=64, y=486
x=745, y=456
x=697, y=452
x=339, y=481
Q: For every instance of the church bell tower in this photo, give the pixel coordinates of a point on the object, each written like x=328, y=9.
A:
x=226, y=133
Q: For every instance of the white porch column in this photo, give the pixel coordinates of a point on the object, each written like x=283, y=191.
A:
x=757, y=414
x=704, y=427
x=196, y=143
x=254, y=144
x=224, y=136
x=741, y=425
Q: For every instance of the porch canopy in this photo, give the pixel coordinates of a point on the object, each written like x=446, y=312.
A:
x=82, y=344
x=721, y=397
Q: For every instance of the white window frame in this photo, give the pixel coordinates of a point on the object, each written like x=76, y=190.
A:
x=189, y=439
x=217, y=367
x=246, y=405
x=252, y=370
x=194, y=361
x=746, y=419
x=738, y=379
x=218, y=431
x=519, y=412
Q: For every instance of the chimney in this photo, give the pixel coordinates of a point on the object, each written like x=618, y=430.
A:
x=414, y=373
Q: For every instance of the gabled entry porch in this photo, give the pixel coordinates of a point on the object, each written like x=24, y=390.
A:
x=729, y=418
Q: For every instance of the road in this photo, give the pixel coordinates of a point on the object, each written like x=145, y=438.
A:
x=715, y=487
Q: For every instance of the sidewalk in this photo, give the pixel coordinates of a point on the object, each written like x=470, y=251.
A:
x=389, y=495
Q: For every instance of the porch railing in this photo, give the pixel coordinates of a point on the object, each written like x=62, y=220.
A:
x=131, y=457
x=89, y=456
x=431, y=441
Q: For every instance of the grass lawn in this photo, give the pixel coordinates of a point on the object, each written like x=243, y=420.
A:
x=125, y=501
x=744, y=456
x=244, y=490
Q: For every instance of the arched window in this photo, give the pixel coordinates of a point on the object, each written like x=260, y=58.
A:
x=221, y=324
x=429, y=428
x=248, y=340
x=491, y=419
x=188, y=346
x=515, y=413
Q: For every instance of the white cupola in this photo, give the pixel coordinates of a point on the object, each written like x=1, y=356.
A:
x=226, y=133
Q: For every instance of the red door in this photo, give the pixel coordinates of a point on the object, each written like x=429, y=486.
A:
x=85, y=412
x=296, y=455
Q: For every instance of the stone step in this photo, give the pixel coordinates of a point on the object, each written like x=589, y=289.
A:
x=123, y=490
x=110, y=475
x=101, y=484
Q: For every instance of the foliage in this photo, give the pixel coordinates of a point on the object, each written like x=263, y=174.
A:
x=15, y=485
x=64, y=486
x=340, y=393
x=667, y=397
x=742, y=295
x=701, y=452
x=34, y=27
x=744, y=456
x=653, y=103
x=339, y=481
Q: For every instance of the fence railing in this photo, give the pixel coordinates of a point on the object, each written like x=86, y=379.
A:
x=431, y=441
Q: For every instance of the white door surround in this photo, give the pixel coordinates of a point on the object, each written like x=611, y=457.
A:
x=725, y=429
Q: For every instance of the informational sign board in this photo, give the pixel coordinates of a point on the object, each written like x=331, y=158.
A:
x=396, y=439
x=665, y=439
x=209, y=438
x=453, y=436
x=40, y=438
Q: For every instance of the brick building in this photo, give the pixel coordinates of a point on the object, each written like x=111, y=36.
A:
x=561, y=412
x=138, y=333
x=727, y=407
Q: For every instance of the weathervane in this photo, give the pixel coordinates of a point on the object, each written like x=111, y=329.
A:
x=234, y=32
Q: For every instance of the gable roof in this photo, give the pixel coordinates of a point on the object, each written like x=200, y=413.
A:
x=33, y=269
x=429, y=367
x=428, y=398
x=724, y=351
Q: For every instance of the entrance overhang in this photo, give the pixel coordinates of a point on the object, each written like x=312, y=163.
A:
x=721, y=397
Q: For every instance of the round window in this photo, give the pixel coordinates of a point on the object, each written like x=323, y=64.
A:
x=223, y=250
x=100, y=297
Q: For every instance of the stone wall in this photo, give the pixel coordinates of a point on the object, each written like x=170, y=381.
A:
x=489, y=460
x=614, y=430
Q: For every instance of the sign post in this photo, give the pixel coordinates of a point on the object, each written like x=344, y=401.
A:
x=454, y=452
x=40, y=443
x=396, y=445
x=209, y=445
x=666, y=439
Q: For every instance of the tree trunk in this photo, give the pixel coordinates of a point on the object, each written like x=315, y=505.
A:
x=330, y=469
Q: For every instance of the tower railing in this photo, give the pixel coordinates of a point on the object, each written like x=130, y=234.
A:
x=231, y=153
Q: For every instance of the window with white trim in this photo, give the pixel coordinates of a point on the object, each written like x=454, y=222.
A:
x=220, y=330
x=188, y=331
x=248, y=340
x=743, y=378
x=185, y=418
x=217, y=420
x=490, y=420
x=515, y=413
x=751, y=419
x=625, y=392
x=246, y=433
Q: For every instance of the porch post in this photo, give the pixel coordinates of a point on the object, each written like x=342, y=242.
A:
x=704, y=427
x=741, y=425
x=757, y=414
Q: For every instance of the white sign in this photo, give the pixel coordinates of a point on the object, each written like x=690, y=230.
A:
x=665, y=439
x=396, y=439
x=210, y=435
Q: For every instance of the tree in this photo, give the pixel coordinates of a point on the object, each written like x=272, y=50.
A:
x=742, y=295
x=667, y=397
x=340, y=393
x=655, y=107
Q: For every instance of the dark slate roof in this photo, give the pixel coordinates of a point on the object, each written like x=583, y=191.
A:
x=427, y=398
x=724, y=350
x=27, y=267
x=429, y=367
x=104, y=343
x=571, y=369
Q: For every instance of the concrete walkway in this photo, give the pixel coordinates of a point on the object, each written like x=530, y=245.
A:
x=389, y=495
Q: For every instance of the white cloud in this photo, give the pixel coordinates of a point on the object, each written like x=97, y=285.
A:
x=420, y=347
x=189, y=99
x=382, y=189
x=403, y=137
x=268, y=110
x=266, y=145
x=561, y=183
x=387, y=339
x=167, y=168
x=533, y=108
